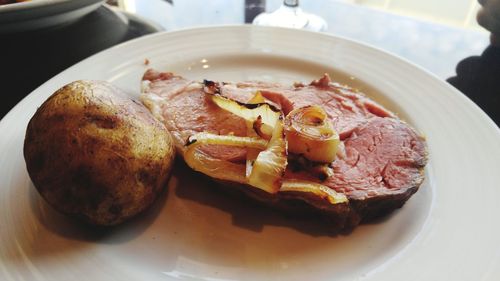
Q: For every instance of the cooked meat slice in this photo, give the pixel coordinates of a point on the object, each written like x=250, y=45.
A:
x=382, y=160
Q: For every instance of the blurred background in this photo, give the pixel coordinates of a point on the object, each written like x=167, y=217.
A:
x=441, y=36
x=458, y=13
x=418, y=30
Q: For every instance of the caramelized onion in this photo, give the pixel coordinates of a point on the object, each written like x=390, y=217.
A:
x=269, y=167
x=319, y=190
x=257, y=98
x=266, y=170
x=252, y=132
x=311, y=134
x=217, y=168
x=208, y=138
x=251, y=112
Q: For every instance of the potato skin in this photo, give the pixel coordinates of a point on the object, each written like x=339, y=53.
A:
x=94, y=153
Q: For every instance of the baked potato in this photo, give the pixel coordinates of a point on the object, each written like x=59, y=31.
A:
x=94, y=153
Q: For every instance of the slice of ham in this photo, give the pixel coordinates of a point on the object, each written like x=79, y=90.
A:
x=382, y=161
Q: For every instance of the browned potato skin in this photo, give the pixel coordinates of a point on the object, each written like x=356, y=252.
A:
x=94, y=153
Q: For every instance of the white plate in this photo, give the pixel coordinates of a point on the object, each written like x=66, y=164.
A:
x=448, y=231
x=38, y=14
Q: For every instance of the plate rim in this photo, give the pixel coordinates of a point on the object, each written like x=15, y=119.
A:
x=457, y=94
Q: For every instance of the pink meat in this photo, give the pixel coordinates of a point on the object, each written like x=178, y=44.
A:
x=384, y=157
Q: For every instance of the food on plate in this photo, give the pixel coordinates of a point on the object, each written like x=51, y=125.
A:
x=311, y=134
x=94, y=153
x=321, y=147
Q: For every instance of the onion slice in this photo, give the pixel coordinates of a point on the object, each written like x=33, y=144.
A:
x=269, y=167
x=311, y=134
x=252, y=153
x=257, y=98
x=319, y=190
x=251, y=112
x=208, y=138
x=217, y=168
